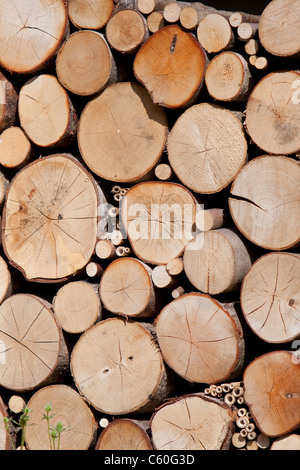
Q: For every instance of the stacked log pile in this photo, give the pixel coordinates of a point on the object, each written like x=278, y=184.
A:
x=150, y=206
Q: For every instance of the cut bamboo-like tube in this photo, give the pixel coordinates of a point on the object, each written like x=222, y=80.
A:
x=242, y=422
x=229, y=399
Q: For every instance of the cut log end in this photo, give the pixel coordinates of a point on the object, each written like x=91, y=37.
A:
x=90, y=14
x=127, y=351
x=126, y=30
x=85, y=64
x=166, y=66
x=196, y=319
x=77, y=306
x=133, y=142
x=127, y=434
x=214, y=33
x=41, y=235
x=31, y=46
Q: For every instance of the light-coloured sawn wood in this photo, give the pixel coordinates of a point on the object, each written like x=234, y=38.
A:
x=77, y=306
x=46, y=112
x=193, y=422
x=50, y=218
x=126, y=288
x=158, y=218
x=272, y=392
x=126, y=31
x=228, y=77
x=31, y=32
x=216, y=261
x=90, y=14
x=201, y=339
x=29, y=331
x=68, y=408
x=155, y=21
x=273, y=113
x=207, y=147
x=124, y=127
x=279, y=30
x=125, y=434
x=265, y=202
x=15, y=148
x=118, y=368
x=270, y=297
x=215, y=34
x=85, y=64
x=171, y=65
x=288, y=442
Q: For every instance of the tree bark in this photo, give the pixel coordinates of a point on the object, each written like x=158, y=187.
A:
x=125, y=434
x=69, y=408
x=262, y=202
x=126, y=289
x=207, y=148
x=216, y=261
x=6, y=282
x=77, y=306
x=158, y=218
x=126, y=374
x=272, y=392
x=50, y=235
x=272, y=306
x=8, y=103
x=272, y=119
x=122, y=125
x=15, y=148
x=193, y=422
x=24, y=318
x=228, y=77
x=126, y=31
x=35, y=30
x=171, y=65
x=90, y=14
x=279, y=29
x=5, y=443
x=85, y=64
x=201, y=340
x=215, y=34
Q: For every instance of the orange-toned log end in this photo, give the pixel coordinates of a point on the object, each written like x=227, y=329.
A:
x=272, y=392
x=171, y=65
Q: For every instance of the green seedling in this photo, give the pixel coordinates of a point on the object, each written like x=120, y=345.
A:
x=53, y=433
